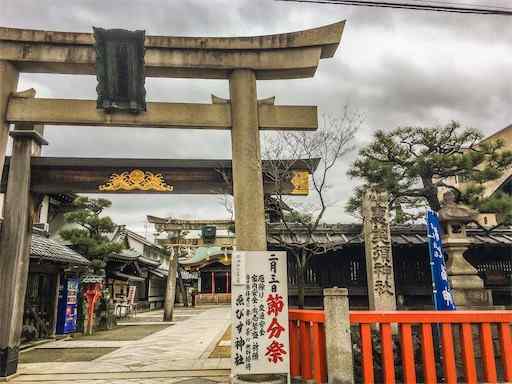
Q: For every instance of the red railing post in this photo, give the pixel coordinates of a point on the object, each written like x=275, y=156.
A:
x=318, y=369
x=488, y=353
x=506, y=350
x=305, y=350
x=323, y=352
x=468, y=353
x=449, y=365
x=427, y=349
x=294, y=349
x=367, y=353
x=388, y=361
x=407, y=354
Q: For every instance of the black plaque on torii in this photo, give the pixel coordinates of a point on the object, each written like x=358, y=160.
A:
x=120, y=70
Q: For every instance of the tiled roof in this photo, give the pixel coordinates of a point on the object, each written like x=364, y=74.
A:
x=150, y=262
x=48, y=249
x=129, y=255
x=351, y=234
x=204, y=253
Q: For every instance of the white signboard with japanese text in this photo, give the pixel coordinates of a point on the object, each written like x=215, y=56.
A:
x=259, y=302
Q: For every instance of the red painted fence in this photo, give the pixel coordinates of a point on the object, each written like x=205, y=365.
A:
x=308, y=354
x=307, y=345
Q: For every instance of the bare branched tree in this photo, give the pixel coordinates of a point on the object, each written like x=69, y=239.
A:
x=294, y=220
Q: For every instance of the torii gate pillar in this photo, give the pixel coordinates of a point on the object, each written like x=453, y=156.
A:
x=15, y=237
x=247, y=172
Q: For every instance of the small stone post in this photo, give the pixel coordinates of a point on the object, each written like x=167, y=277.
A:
x=337, y=335
x=378, y=251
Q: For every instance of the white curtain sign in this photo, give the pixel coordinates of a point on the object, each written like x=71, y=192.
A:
x=259, y=302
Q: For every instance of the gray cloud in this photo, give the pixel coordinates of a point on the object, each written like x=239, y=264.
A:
x=396, y=67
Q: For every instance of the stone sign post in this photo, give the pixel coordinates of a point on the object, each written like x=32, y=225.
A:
x=378, y=247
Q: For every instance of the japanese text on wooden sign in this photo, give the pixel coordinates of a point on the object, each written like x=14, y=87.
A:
x=259, y=304
x=442, y=295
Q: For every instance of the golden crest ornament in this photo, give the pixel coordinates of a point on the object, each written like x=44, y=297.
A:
x=300, y=183
x=136, y=180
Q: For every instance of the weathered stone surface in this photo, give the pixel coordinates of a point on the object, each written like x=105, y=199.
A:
x=455, y=213
x=15, y=237
x=327, y=37
x=247, y=170
x=8, y=84
x=466, y=286
x=159, y=115
x=281, y=56
x=378, y=250
x=337, y=336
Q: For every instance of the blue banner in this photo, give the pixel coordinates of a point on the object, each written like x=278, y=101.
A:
x=443, y=300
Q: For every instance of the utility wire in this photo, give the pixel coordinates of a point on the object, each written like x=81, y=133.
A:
x=463, y=4
x=413, y=6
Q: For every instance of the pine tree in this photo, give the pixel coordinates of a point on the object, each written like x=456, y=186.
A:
x=90, y=237
x=415, y=164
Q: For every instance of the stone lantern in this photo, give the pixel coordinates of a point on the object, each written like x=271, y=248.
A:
x=467, y=287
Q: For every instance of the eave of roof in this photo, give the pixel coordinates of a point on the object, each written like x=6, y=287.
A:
x=125, y=276
x=145, y=261
x=48, y=249
x=340, y=235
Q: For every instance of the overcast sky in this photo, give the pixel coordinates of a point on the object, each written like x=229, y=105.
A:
x=396, y=67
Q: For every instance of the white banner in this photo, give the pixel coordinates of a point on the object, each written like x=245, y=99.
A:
x=259, y=303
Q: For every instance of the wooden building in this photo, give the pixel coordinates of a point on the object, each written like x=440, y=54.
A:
x=128, y=268
x=142, y=264
x=213, y=266
x=50, y=263
x=490, y=254
x=345, y=266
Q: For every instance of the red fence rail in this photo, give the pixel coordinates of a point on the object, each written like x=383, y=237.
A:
x=456, y=332
x=307, y=345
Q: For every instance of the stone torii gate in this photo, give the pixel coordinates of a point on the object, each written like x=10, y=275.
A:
x=241, y=60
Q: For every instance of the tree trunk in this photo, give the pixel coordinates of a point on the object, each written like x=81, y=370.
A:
x=182, y=288
x=170, y=292
x=301, y=282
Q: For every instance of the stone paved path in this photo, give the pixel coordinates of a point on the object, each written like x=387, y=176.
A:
x=178, y=353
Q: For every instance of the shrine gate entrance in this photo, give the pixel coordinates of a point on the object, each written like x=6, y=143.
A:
x=241, y=60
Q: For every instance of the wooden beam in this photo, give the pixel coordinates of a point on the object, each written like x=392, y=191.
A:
x=159, y=115
x=86, y=175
